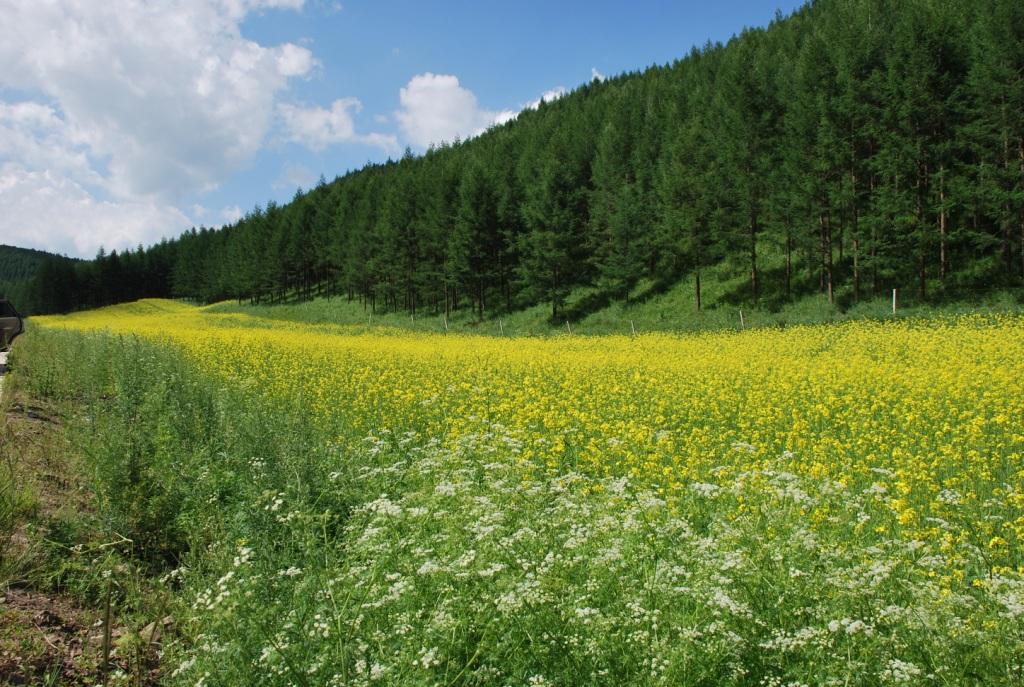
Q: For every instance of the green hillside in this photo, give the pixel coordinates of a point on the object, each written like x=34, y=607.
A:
x=853, y=147
x=18, y=266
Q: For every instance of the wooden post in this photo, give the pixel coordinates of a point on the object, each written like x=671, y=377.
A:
x=894, y=301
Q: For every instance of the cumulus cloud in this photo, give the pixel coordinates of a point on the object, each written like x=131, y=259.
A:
x=231, y=214
x=548, y=96
x=436, y=108
x=596, y=75
x=50, y=211
x=170, y=94
x=40, y=138
x=294, y=176
x=318, y=127
x=129, y=107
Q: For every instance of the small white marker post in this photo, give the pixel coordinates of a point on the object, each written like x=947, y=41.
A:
x=446, y=323
x=632, y=327
x=568, y=327
x=501, y=327
x=894, y=301
x=743, y=324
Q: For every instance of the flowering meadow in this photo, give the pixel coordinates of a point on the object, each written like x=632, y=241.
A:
x=823, y=505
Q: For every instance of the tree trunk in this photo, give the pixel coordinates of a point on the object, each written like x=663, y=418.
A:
x=943, y=219
x=753, y=258
x=842, y=234
x=696, y=286
x=789, y=265
x=922, y=174
x=1007, y=213
x=872, y=249
x=856, y=269
x=555, y=283
x=1020, y=212
x=855, y=230
x=826, y=254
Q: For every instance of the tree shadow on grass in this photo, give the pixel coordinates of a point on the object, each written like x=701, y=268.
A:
x=772, y=294
x=586, y=305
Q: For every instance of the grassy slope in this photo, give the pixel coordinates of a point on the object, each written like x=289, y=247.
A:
x=671, y=310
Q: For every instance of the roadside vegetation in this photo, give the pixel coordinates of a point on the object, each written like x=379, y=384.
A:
x=64, y=560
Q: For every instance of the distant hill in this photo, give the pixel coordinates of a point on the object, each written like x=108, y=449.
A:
x=18, y=269
x=20, y=264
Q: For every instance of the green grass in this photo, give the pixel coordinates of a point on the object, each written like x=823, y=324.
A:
x=724, y=297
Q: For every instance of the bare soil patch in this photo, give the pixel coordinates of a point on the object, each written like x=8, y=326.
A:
x=47, y=639
x=46, y=636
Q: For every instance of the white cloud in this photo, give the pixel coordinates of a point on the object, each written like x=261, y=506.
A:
x=49, y=211
x=231, y=214
x=294, y=176
x=170, y=94
x=133, y=106
x=548, y=96
x=40, y=138
x=435, y=108
x=317, y=127
x=596, y=75
x=294, y=60
x=239, y=8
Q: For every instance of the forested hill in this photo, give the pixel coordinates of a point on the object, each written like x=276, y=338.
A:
x=852, y=147
x=17, y=268
x=19, y=264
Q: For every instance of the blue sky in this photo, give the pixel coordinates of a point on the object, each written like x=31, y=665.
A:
x=122, y=121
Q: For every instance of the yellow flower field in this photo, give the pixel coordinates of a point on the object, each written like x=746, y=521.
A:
x=862, y=436
x=929, y=414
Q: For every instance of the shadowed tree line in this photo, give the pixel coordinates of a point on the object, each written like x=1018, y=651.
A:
x=852, y=147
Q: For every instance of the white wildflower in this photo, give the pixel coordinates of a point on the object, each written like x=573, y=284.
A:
x=491, y=570
x=705, y=489
x=900, y=671
x=428, y=658
x=429, y=568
